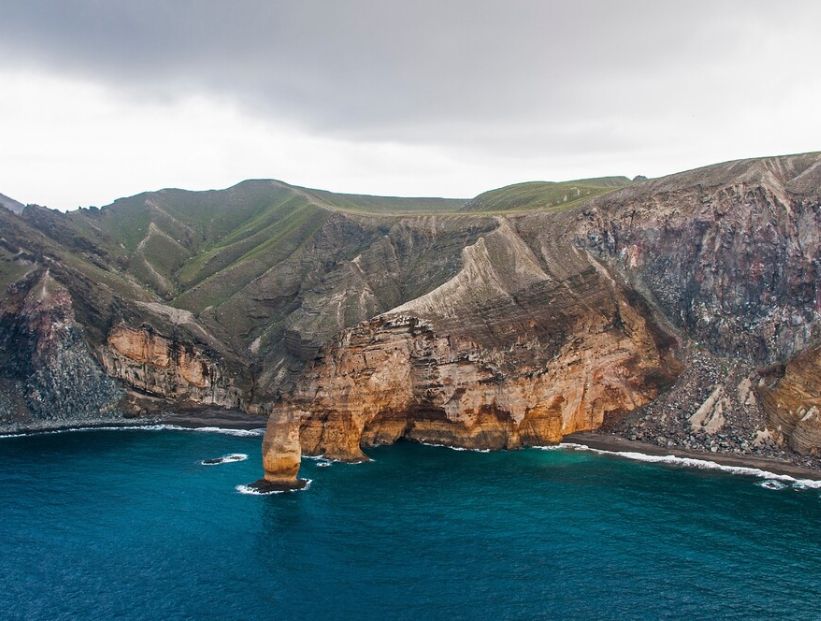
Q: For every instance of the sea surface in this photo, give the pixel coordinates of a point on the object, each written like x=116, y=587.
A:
x=131, y=525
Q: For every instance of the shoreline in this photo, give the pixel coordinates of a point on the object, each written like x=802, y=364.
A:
x=615, y=444
x=232, y=420
x=217, y=419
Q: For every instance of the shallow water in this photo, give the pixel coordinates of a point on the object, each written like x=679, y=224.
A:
x=131, y=525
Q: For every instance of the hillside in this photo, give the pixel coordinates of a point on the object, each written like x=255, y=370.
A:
x=543, y=195
x=527, y=313
x=11, y=204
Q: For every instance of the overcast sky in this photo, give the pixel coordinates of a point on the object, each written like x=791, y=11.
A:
x=100, y=99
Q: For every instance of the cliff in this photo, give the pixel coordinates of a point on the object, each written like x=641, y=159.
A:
x=507, y=353
x=793, y=402
x=47, y=372
x=167, y=367
x=681, y=311
x=653, y=311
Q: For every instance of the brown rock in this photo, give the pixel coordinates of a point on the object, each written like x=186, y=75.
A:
x=793, y=403
x=281, y=452
x=161, y=366
x=509, y=352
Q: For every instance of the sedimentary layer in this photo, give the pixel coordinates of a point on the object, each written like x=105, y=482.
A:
x=681, y=311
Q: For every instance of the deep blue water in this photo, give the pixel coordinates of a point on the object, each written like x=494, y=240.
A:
x=129, y=525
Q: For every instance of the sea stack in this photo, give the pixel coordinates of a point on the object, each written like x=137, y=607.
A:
x=281, y=453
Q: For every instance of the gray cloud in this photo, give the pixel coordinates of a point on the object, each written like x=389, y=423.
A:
x=476, y=74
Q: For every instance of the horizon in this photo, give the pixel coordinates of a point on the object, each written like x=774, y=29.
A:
x=419, y=196
x=105, y=101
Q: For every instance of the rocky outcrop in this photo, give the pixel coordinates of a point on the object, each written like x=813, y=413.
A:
x=167, y=367
x=731, y=253
x=677, y=311
x=508, y=353
x=793, y=402
x=568, y=321
x=12, y=205
x=48, y=373
x=281, y=454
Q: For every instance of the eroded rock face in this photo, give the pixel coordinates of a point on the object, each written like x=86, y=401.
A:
x=281, y=452
x=730, y=253
x=563, y=321
x=793, y=403
x=48, y=374
x=507, y=353
x=167, y=368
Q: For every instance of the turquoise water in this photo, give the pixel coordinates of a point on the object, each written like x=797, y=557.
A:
x=129, y=525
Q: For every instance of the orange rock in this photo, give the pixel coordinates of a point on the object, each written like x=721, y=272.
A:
x=793, y=404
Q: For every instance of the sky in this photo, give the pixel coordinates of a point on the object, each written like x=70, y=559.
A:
x=107, y=98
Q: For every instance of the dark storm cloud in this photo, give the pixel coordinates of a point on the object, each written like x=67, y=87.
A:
x=573, y=75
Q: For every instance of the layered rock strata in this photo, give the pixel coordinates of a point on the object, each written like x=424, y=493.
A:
x=281, y=454
x=508, y=353
x=725, y=258
x=167, y=367
x=793, y=403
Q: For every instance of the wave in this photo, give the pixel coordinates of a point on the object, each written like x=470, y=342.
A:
x=692, y=462
x=252, y=491
x=225, y=459
x=324, y=462
x=773, y=484
x=242, y=433
x=455, y=448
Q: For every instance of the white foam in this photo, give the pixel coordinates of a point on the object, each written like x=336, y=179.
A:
x=225, y=459
x=324, y=464
x=772, y=484
x=455, y=448
x=240, y=433
x=155, y=427
x=252, y=491
x=691, y=462
x=331, y=460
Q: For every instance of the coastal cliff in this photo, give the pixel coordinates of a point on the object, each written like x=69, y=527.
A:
x=507, y=353
x=653, y=312
x=167, y=367
x=46, y=367
x=681, y=311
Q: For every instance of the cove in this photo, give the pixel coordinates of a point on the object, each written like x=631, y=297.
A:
x=131, y=524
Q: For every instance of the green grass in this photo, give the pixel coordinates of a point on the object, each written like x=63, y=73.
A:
x=542, y=195
x=277, y=243
x=387, y=205
x=210, y=245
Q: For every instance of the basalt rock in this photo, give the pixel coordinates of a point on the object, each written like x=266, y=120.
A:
x=48, y=373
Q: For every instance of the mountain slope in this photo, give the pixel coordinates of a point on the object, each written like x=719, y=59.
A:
x=667, y=310
x=11, y=204
x=542, y=195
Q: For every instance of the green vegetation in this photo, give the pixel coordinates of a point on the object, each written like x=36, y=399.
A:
x=543, y=195
x=245, y=258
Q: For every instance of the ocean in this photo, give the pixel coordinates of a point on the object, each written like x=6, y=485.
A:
x=130, y=524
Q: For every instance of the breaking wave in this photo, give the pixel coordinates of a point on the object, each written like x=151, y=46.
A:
x=225, y=459
x=455, y=448
x=701, y=464
x=242, y=433
x=252, y=491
